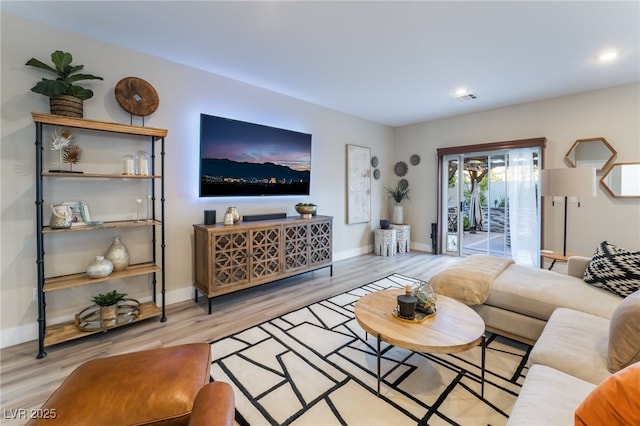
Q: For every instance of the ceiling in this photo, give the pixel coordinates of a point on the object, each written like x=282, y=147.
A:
x=390, y=62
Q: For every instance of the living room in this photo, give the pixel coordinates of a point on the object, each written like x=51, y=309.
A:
x=186, y=92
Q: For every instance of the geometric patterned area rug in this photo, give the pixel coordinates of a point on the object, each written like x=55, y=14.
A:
x=316, y=366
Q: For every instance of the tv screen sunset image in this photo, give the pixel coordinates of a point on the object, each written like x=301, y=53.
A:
x=246, y=159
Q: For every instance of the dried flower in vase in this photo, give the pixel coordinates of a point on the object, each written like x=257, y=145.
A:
x=59, y=140
x=72, y=155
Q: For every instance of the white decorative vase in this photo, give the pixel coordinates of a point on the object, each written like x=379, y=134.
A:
x=100, y=267
x=118, y=255
x=397, y=215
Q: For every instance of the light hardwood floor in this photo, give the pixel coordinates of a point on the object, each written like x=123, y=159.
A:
x=27, y=382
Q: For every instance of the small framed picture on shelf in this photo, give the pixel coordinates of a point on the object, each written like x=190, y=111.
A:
x=79, y=212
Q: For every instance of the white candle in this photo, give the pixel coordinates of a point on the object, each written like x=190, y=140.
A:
x=143, y=166
x=128, y=166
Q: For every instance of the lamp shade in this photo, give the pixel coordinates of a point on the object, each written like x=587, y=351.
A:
x=575, y=182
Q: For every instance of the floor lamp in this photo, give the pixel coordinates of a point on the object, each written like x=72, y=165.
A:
x=574, y=182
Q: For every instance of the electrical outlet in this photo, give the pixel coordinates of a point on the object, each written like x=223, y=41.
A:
x=35, y=294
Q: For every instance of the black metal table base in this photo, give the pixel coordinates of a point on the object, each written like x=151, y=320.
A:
x=482, y=368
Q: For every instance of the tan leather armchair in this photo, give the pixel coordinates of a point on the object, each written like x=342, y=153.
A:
x=214, y=406
x=154, y=387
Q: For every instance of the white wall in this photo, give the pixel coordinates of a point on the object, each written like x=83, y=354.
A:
x=612, y=113
x=184, y=94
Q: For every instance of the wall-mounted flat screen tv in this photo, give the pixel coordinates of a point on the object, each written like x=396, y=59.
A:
x=247, y=159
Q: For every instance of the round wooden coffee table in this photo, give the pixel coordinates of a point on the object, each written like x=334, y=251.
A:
x=454, y=328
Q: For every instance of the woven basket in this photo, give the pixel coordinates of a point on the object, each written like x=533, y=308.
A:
x=66, y=105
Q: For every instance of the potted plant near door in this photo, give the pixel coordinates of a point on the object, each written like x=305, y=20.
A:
x=65, y=97
x=398, y=194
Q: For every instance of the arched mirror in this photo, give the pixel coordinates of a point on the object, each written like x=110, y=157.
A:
x=623, y=180
x=592, y=152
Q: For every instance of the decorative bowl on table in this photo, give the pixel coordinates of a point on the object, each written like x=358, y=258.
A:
x=385, y=223
x=306, y=209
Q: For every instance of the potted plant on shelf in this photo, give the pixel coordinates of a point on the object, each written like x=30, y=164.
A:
x=65, y=97
x=108, y=303
x=398, y=194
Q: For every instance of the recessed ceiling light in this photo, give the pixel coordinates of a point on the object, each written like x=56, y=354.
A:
x=608, y=56
x=463, y=95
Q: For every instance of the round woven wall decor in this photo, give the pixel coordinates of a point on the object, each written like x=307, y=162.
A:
x=136, y=96
x=400, y=168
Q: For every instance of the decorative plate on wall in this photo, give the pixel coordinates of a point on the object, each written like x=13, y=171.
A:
x=136, y=96
x=403, y=184
x=400, y=168
x=374, y=161
x=414, y=160
x=376, y=174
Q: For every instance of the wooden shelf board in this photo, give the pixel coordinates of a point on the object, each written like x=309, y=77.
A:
x=105, y=225
x=64, y=332
x=99, y=175
x=75, y=280
x=83, y=123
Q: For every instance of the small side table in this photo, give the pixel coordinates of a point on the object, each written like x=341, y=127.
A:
x=554, y=257
x=403, y=236
x=385, y=243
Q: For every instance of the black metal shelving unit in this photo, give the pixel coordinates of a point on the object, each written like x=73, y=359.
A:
x=58, y=333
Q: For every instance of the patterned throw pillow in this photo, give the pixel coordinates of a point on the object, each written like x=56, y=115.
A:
x=614, y=269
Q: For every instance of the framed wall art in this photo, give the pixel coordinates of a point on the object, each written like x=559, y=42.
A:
x=358, y=184
x=79, y=212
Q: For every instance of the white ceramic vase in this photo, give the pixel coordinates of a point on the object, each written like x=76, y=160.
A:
x=100, y=267
x=397, y=214
x=118, y=255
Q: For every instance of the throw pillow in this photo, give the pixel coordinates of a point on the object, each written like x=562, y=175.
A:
x=624, y=334
x=614, y=402
x=615, y=269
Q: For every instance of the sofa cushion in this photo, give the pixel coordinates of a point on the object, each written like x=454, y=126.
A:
x=538, y=292
x=614, y=269
x=614, y=402
x=548, y=397
x=576, y=343
x=624, y=334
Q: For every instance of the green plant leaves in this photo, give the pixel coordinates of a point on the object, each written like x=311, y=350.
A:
x=39, y=64
x=79, y=92
x=51, y=87
x=67, y=75
x=61, y=60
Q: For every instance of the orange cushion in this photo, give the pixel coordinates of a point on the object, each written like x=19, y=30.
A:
x=615, y=401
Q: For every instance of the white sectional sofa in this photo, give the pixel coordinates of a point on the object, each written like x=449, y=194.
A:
x=576, y=330
x=573, y=359
x=522, y=299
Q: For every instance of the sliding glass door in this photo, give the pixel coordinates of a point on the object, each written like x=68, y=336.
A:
x=490, y=204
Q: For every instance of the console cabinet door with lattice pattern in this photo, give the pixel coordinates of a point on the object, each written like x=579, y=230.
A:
x=230, y=258
x=296, y=243
x=265, y=252
x=320, y=243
